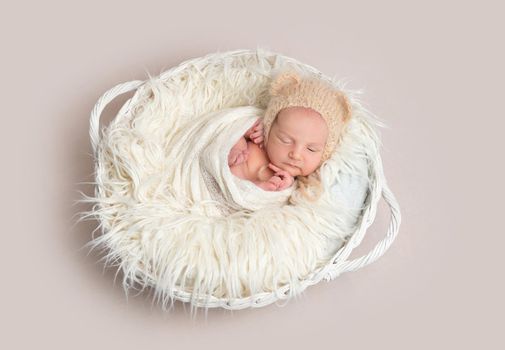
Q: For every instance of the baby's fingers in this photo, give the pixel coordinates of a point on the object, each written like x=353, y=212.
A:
x=256, y=134
x=274, y=168
x=269, y=186
x=284, y=185
x=275, y=180
x=258, y=140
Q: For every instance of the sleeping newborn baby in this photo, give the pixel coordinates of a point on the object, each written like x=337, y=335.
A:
x=300, y=130
x=295, y=147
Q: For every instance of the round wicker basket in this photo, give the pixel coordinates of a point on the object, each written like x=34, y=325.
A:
x=338, y=264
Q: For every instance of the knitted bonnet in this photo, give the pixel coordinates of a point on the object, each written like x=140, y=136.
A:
x=290, y=90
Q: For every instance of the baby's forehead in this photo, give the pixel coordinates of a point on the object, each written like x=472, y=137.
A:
x=300, y=118
x=312, y=136
x=312, y=128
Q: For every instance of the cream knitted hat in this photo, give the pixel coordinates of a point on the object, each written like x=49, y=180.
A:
x=290, y=90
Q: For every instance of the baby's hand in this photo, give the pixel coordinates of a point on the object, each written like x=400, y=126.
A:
x=255, y=133
x=237, y=157
x=281, y=179
x=239, y=153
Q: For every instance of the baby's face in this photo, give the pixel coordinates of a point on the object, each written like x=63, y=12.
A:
x=296, y=140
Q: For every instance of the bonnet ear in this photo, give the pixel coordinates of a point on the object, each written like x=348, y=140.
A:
x=283, y=82
x=345, y=106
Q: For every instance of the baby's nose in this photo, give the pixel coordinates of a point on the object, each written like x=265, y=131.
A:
x=295, y=155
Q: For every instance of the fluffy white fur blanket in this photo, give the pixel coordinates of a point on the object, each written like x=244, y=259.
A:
x=172, y=215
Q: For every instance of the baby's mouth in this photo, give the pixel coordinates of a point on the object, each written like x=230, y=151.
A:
x=297, y=167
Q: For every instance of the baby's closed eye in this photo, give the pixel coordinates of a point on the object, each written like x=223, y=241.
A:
x=314, y=149
x=284, y=140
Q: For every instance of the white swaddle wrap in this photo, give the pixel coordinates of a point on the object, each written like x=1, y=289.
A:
x=229, y=125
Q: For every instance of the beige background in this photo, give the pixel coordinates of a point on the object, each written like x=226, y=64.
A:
x=432, y=72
